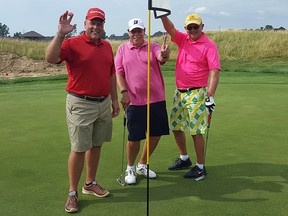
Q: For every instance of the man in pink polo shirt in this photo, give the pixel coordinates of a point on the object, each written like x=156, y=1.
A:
x=197, y=61
x=131, y=71
x=92, y=91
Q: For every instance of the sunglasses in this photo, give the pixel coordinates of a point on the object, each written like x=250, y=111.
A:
x=192, y=27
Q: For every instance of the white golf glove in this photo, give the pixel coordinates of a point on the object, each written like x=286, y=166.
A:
x=210, y=104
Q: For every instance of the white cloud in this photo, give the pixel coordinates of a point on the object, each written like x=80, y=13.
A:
x=200, y=9
x=224, y=14
x=197, y=10
x=260, y=12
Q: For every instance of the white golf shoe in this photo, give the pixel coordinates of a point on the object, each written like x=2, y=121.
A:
x=130, y=177
x=142, y=170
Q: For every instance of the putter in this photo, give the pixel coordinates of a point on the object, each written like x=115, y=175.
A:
x=119, y=180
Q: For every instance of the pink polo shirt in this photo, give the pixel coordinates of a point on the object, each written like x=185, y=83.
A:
x=195, y=60
x=131, y=62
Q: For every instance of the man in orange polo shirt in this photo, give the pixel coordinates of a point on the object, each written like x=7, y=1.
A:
x=91, y=89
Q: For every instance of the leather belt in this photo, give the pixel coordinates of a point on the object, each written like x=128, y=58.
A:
x=188, y=89
x=85, y=97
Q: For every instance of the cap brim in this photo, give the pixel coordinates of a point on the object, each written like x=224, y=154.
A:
x=135, y=26
x=193, y=22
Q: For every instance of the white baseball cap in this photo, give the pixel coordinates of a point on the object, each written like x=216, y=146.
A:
x=135, y=23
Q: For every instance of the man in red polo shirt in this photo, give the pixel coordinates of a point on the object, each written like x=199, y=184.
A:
x=91, y=91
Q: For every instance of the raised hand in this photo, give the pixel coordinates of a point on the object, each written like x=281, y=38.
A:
x=64, y=26
x=165, y=51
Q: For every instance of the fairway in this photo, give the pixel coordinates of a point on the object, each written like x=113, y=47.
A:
x=247, y=161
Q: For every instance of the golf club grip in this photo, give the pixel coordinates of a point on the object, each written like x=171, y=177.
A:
x=125, y=118
x=209, y=119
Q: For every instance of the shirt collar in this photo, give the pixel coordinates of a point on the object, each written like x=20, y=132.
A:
x=130, y=45
x=200, y=40
x=86, y=39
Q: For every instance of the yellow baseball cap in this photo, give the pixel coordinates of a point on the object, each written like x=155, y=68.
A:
x=193, y=18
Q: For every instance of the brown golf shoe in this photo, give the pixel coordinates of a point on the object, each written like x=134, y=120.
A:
x=72, y=202
x=95, y=189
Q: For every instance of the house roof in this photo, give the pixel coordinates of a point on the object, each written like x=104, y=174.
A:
x=32, y=34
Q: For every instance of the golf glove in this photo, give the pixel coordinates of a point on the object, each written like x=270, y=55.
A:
x=210, y=104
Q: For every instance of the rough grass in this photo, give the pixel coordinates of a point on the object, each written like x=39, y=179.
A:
x=233, y=45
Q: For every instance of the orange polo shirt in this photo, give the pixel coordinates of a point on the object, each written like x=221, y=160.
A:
x=89, y=65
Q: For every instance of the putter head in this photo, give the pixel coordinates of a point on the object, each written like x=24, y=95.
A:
x=120, y=182
x=199, y=178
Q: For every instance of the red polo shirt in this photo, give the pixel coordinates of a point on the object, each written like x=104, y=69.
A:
x=89, y=65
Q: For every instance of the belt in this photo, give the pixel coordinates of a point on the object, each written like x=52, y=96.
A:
x=188, y=89
x=85, y=97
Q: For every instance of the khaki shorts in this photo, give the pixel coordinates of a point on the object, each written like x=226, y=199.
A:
x=89, y=123
x=188, y=112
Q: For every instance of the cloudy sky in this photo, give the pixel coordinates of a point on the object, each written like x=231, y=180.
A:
x=42, y=15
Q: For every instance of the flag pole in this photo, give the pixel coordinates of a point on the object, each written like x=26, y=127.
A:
x=148, y=109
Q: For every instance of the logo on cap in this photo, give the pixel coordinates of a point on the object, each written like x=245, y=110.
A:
x=92, y=12
x=95, y=13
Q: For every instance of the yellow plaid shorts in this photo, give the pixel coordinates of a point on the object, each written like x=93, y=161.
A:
x=188, y=112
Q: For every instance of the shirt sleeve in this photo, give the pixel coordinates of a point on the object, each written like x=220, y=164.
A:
x=179, y=38
x=213, y=57
x=119, y=68
x=65, y=53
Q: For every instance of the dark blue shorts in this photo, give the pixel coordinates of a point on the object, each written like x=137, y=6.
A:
x=137, y=121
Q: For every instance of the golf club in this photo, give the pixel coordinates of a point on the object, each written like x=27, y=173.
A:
x=119, y=180
x=208, y=126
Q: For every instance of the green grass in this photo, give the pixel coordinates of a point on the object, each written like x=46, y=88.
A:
x=246, y=159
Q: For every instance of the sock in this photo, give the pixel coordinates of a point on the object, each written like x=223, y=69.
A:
x=141, y=165
x=90, y=184
x=130, y=167
x=184, y=157
x=72, y=193
x=200, y=166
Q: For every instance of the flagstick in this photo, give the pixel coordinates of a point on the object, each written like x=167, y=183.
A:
x=148, y=113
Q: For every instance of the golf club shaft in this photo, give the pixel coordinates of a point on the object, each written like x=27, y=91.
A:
x=119, y=180
x=206, y=142
x=123, y=143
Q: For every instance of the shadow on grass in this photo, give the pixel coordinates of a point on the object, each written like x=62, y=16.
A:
x=222, y=183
